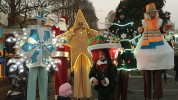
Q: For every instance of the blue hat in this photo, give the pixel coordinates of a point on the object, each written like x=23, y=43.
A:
x=41, y=16
x=41, y=11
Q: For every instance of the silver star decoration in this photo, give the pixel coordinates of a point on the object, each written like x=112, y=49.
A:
x=123, y=35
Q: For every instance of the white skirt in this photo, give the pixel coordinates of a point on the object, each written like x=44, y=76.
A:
x=162, y=57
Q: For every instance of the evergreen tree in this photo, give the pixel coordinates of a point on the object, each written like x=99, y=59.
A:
x=137, y=8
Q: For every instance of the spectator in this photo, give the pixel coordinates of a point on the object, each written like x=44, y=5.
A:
x=65, y=92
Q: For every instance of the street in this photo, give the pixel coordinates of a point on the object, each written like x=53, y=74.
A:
x=135, y=89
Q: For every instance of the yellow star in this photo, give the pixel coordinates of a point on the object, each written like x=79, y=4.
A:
x=78, y=36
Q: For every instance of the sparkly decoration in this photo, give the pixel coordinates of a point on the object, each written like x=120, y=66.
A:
x=113, y=39
x=131, y=23
x=78, y=36
x=123, y=36
x=17, y=65
x=34, y=48
x=11, y=39
x=112, y=43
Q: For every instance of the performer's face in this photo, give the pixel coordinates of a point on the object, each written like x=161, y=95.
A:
x=152, y=14
x=43, y=23
x=102, y=56
x=122, y=16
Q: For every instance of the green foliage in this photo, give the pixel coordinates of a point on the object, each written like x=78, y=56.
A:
x=89, y=13
x=137, y=8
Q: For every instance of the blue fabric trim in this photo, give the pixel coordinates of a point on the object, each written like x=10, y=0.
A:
x=34, y=34
x=28, y=46
x=2, y=60
x=1, y=45
x=156, y=43
x=152, y=45
x=50, y=47
x=41, y=17
x=46, y=35
x=1, y=32
x=147, y=47
x=43, y=54
x=35, y=55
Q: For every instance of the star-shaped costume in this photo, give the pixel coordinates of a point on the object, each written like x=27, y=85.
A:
x=77, y=38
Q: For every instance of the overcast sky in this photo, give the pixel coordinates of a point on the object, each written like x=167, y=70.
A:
x=103, y=7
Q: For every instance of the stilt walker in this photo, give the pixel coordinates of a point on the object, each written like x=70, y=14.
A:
x=124, y=28
x=152, y=52
x=77, y=38
x=62, y=54
x=36, y=49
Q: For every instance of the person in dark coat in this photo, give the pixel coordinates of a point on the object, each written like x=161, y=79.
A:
x=102, y=76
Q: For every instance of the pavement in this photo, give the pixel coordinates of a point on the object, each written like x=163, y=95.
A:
x=135, y=89
x=4, y=87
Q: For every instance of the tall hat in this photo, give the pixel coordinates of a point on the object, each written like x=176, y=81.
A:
x=41, y=16
x=97, y=44
x=122, y=9
x=41, y=10
x=151, y=7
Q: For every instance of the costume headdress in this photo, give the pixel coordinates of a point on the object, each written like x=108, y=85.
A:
x=100, y=43
x=41, y=12
x=151, y=7
x=121, y=9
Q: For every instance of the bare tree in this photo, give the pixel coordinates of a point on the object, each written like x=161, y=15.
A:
x=89, y=13
x=137, y=8
x=69, y=9
x=110, y=18
x=21, y=11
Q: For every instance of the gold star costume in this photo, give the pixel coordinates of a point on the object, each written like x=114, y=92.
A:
x=77, y=38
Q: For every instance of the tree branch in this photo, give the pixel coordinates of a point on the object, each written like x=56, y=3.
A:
x=18, y=2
